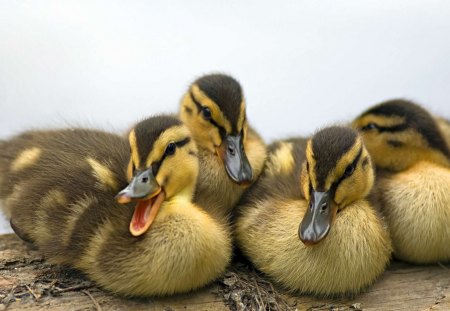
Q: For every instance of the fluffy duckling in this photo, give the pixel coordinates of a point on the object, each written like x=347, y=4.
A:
x=231, y=154
x=65, y=204
x=413, y=160
x=306, y=222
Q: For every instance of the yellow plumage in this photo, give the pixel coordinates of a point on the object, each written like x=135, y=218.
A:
x=357, y=247
x=414, y=178
x=214, y=110
x=59, y=188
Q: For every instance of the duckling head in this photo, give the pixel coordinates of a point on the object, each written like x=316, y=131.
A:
x=399, y=133
x=214, y=110
x=337, y=172
x=163, y=166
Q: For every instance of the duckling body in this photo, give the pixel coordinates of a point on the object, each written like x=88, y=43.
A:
x=231, y=154
x=69, y=210
x=412, y=156
x=43, y=154
x=337, y=261
x=416, y=205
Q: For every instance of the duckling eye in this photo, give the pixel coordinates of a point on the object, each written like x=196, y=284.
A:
x=170, y=149
x=370, y=126
x=349, y=170
x=206, y=113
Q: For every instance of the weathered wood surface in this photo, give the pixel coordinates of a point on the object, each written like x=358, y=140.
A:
x=27, y=282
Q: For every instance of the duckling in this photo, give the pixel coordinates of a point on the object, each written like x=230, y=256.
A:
x=231, y=154
x=70, y=206
x=306, y=223
x=413, y=160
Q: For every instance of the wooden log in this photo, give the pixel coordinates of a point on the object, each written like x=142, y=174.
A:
x=28, y=282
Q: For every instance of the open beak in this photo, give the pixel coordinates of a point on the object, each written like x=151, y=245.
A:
x=149, y=195
x=318, y=218
x=232, y=153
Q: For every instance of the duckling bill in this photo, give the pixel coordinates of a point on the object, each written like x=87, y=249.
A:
x=318, y=218
x=149, y=196
x=232, y=153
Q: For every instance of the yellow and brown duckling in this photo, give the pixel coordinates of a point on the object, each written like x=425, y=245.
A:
x=413, y=161
x=231, y=154
x=306, y=222
x=160, y=243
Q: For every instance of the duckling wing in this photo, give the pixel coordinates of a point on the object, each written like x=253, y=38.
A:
x=40, y=169
x=281, y=175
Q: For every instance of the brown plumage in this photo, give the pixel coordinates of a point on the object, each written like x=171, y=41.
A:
x=412, y=158
x=231, y=154
x=43, y=154
x=313, y=191
x=62, y=199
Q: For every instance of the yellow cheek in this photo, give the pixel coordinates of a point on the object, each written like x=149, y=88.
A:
x=205, y=135
x=177, y=174
x=354, y=188
x=215, y=137
x=245, y=131
x=305, y=182
x=345, y=193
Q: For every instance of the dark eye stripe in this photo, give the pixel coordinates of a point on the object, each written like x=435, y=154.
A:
x=344, y=176
x=221, y=129
x=156, y=165
x=183, y=142
x=392, y=129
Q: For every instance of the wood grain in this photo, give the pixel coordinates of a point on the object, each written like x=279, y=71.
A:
x=27, y=282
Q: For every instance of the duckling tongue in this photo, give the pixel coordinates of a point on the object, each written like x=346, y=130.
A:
x=145, y=213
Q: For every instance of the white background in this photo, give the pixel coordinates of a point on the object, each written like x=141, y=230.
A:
x=303, y=64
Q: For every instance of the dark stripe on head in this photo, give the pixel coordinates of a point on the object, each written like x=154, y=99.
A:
x=415, y=117
x=344, y=176
x=149, y=130
x=328, y=146
x=183, y=142
x=226, y=92
x=157, y=165
x=221, y=129
x=395, y=143
x=391, y=129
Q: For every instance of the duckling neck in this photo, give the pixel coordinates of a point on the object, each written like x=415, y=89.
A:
x=410, y=157
x=439, y=158
x=183, y=196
